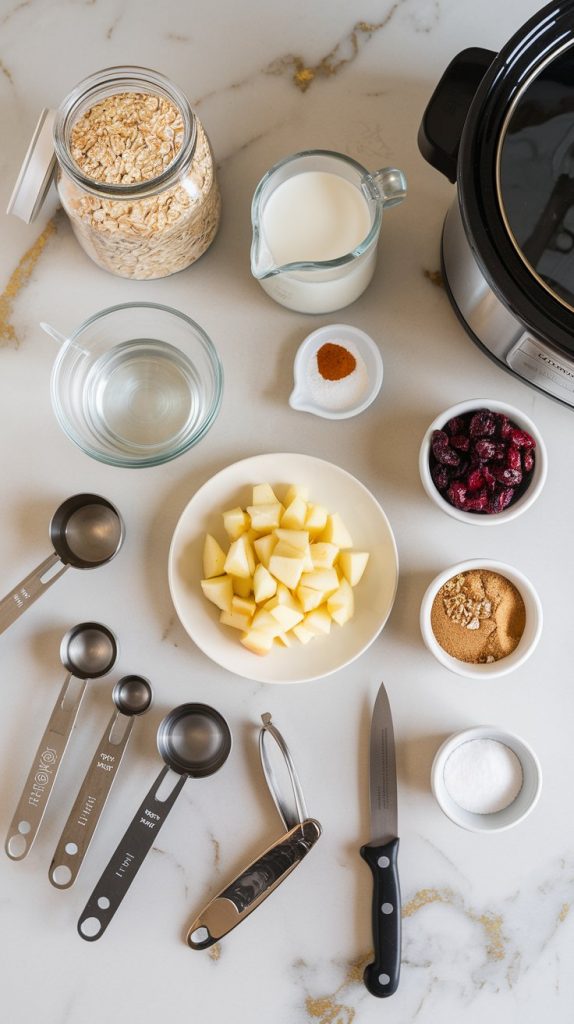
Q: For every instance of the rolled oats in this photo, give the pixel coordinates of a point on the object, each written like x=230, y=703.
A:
x=129, y=138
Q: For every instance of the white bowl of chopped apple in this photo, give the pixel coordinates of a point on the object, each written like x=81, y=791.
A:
x=283, y=568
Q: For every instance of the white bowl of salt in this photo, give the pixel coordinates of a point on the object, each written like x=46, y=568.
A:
x=338, y=372
x=486, y=779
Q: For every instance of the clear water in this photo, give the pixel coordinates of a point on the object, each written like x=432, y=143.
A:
x=142, y=395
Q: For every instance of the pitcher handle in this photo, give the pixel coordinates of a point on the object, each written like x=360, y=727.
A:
x=388, y=186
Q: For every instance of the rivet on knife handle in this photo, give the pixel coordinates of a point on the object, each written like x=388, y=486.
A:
x=382, y=976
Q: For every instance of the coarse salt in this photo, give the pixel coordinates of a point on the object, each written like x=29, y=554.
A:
x=483, y=776
x=340, y=394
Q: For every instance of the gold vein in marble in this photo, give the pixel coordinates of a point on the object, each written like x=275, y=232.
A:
x=424, y=897
x=6, y=72
x=492, y=924
x=215, y=951
x=564, y=911
x=326, y=1011
x=344, y=52
x=435, y=277
x=18, y=280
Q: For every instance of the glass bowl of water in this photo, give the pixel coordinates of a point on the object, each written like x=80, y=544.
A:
x=137, y=385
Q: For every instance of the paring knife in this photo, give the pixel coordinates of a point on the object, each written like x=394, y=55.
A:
x=382, y=976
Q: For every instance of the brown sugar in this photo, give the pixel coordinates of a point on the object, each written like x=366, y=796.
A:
x=478, y=616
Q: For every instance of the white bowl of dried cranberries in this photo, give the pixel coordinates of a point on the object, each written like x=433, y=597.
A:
x=483, y=462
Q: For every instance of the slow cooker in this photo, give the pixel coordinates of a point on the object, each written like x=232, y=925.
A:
x=502, y=127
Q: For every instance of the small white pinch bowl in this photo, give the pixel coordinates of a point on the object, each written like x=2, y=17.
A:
x=520, y=807
x=301, y=397
x=527, y=642
x=538, y=475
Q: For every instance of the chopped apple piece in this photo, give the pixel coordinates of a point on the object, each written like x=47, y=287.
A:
x=240, y=560
x=264, y=548
x=243, y=605
x=213, y=558
x=286, y=570
x=307, y=560
x=284, y=596
x=219, y=590
x=298, y=539
x=257, y=641
x=285, y=615
x=316, y=520
x=296, y=491
x=321, y=579
x=295, y=515
x=265, y=621
x=267, y=517
x=336, y=532
x=263, y=494
x=341, y=604
x=242, y=587
x=353, y=565
x=284, y=639
x=318, y=621
x=309, y=599
x=323, y=555
x=264, y=585
x=285, y=550
x=235, y=522
x=236, y=621
x=302, y=633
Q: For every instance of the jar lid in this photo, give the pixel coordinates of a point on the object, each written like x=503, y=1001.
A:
x=37, y=171
x=535, y=174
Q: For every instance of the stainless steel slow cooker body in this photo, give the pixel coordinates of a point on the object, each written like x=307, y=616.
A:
x=499, y=261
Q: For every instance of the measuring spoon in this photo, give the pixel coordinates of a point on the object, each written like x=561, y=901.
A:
x=194, y=741
x=132, y=696
x=86, y=531
x=88, y=651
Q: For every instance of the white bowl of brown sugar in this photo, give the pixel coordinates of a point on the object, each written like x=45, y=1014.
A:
x=481, y=618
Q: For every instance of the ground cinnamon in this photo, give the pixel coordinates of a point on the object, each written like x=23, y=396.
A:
x=478, y=616
x=335, y=362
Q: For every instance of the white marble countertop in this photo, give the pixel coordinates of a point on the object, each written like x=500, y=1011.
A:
x=488, y=930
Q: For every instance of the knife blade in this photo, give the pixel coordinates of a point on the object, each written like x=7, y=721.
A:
x=381, y=977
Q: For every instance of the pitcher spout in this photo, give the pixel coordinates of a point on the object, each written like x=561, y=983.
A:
x=262, y=263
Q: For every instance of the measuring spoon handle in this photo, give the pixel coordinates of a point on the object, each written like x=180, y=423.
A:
x=28, y=590
x=45, y=767
x=83, y=818
x=127, y=859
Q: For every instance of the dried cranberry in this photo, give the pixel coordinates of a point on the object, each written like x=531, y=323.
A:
x=456, y=494
x=478, y=502
x=456, y=426
x=485, y=449
x=482, y=423
x=528, y=460
x=460, y=441
x=502, y=499
x=475, y=480
x=521, y=439
x=508, y=477
x=513, y=460
x=441, y=476
x=442, y=451
x=504, y=425
x=488, y=478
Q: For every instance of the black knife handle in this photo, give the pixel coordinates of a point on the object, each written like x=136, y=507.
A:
x=382, y=976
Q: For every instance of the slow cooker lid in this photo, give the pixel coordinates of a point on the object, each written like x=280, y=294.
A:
x=535, y=173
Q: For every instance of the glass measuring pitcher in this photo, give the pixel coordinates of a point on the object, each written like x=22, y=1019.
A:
x=316, y=219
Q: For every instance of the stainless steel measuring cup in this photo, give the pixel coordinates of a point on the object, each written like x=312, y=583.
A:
x=194, y=741
x=132, y=696
x=86, y=531
x=88, y=651
x=234, y=903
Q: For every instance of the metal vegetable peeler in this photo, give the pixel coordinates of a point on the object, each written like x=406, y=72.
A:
x=256, y=882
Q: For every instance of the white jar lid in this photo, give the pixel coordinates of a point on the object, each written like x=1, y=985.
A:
x=37, y=171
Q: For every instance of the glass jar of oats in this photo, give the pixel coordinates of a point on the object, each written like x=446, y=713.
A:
x=134, y=171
